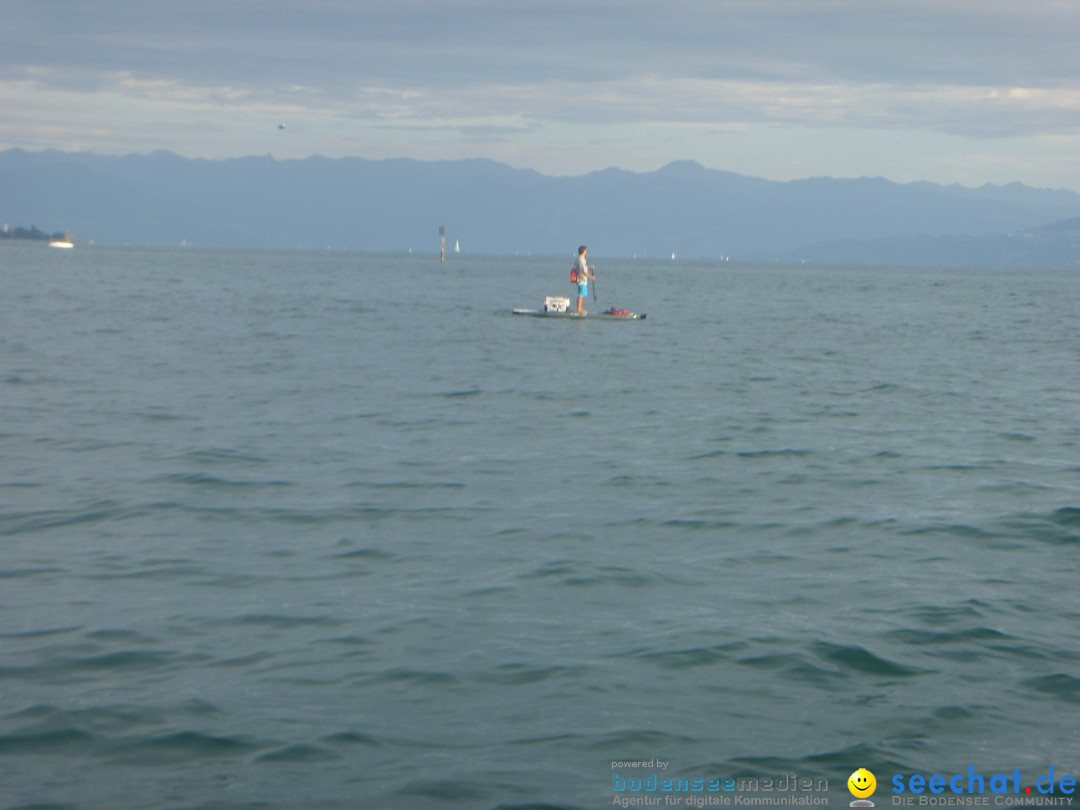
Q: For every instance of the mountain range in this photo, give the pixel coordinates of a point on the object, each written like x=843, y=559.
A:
x=489, y=208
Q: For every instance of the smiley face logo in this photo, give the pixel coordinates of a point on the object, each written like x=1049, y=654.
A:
x=862, y=783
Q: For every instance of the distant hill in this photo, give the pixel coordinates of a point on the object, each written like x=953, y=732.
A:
x=398, y=205
x=33, y=233
x=1052, y=246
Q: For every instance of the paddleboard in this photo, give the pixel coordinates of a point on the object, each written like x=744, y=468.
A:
x=571, y=315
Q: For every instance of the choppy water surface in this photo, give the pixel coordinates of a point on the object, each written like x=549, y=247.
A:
x=336, y=531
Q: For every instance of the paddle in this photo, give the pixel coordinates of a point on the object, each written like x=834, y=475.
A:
x=594, y=284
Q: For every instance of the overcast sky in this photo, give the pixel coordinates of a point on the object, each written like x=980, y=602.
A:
x=968, y=91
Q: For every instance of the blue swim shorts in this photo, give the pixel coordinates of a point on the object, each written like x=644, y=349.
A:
x=583, y=289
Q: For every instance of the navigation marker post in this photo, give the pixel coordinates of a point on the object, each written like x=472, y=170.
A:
x=442, y=243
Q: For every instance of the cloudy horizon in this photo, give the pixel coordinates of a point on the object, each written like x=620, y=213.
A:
x=948, y=91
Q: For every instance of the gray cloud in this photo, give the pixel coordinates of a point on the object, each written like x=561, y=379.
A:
x=503, y=71
x=450, y=42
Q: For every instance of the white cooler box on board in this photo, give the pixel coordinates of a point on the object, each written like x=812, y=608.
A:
x=555, y=303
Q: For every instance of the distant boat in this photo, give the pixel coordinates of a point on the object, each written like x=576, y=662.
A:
x=457, y=246
x=67, y=242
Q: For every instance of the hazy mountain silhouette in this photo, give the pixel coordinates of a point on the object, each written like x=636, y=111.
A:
x=398, y=205
x=1054, y=245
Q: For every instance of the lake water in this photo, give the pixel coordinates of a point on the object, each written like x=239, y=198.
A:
x=324, y=530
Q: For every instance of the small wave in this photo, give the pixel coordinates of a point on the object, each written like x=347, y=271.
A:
x=940, y=615
x=44, y=632
x=82, y=732
x=954, y=529
x=929, y=638
x=708, y=455
x=635, y=739
x=161, y=415
x=1060, y=527
x=348, y=641
x=1062, y=686
x=185, y=746
x=859, y=660
x=298, y=753
x=213, y=481
x=577, y=575
x=413, y=676
x=523, y=674
x=156, y=569
x=28, y=573
x=408, y=485
x=550, y=739
x=346, y=514
x=611, y=574
x=793, y=667
x=244, y=661
x=15, y=523
x=56, y=741
x=116, y=635
x=700, y=524
x=280, y=621
x=457, y=790
x=1067, y=516
x=839, y=761
x=348, y=738
x=693, y=656
x=954, y=713
x=133, y=660
x=222, y=455
x=62, y=668
x=787, y=451
x=552, y=569
x=364, y=554
x=1017, y=437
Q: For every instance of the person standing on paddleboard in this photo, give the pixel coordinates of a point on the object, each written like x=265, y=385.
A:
x=583, y=276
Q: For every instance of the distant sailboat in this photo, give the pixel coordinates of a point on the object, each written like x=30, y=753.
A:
x=457, y=246
x=67, y=241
